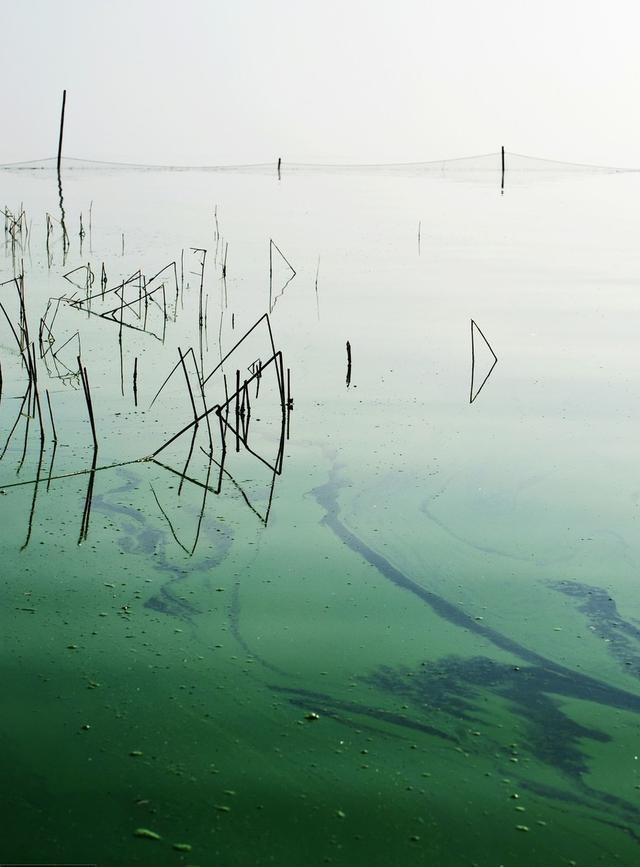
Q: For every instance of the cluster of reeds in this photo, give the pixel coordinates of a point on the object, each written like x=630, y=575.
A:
x=30, y=406
x=144, y=304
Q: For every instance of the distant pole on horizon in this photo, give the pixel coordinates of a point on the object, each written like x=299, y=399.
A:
x=64, y=100
x=279, y=166
x=502, y=183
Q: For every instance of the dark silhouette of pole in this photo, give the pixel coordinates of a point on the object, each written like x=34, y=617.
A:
x=502, y=183
x=64, y=99
x=279, y=166
x=65, y=236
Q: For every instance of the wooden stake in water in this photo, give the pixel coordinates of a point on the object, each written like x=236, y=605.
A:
x=65, y=237
x=64, y=100
x=237, y=410
x=87, y=396
x=53, y=426
x=135, y=381
x=502, y=183
x=289, y=401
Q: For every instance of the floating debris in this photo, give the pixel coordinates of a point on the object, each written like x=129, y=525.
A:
x=136, y=753
x=182, y=847
x=312, y=715
x=146, y=834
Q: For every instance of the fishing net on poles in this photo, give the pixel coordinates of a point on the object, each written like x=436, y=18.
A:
x=519, y=168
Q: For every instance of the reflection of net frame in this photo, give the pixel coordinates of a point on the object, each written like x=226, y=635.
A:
x=241, y=403
x=51, y=357
x=146, y=296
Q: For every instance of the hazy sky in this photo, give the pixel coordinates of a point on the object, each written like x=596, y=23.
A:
x=225, y=81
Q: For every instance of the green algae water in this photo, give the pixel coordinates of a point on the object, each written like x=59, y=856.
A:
x=351, y=618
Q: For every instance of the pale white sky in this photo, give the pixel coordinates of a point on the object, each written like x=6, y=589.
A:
x=224, y=81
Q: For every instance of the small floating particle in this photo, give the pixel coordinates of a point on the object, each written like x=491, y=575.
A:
x=312, y=715
x=414, y=838
x=182, y=847
x=136, y=753
x=146, y=834
x=222, y=808
x=72, y=646
x=341, y=814
x=85, y=727
x=521, y=828
x=219, y=589
x=229, y=792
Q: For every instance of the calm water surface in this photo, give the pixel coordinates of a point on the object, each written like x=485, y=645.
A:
x=406, y=633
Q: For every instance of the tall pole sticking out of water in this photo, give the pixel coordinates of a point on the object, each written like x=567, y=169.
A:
x=65, y=237
x=64, y=99
x=502, y=184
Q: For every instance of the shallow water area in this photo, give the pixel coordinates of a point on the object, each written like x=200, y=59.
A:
x=297, y=604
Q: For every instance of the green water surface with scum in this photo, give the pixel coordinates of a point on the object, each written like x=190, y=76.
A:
x=430, y=654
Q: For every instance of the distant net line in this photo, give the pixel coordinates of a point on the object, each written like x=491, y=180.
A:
x=477, y=163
